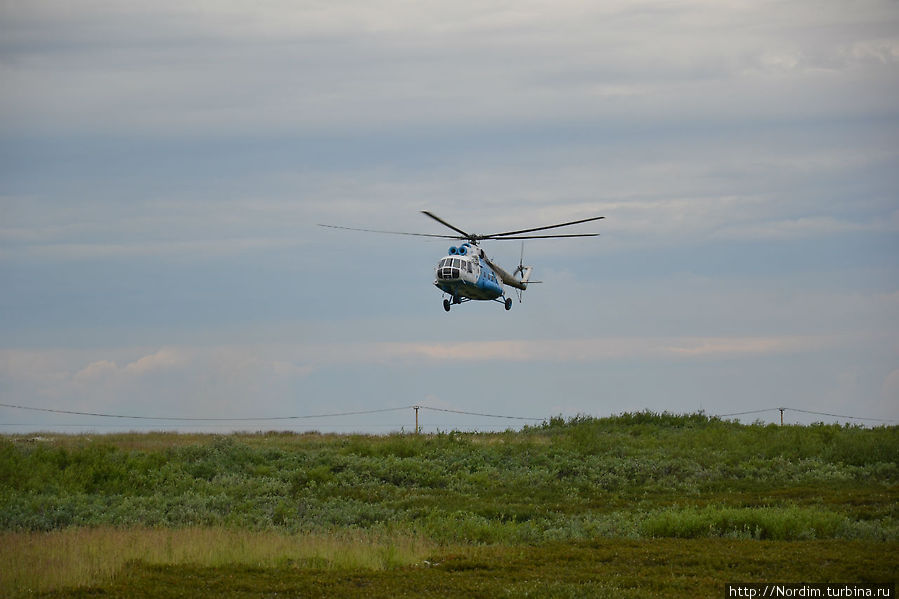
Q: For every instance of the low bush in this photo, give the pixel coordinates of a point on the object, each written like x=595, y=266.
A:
x=781, y=524
x=641, y=474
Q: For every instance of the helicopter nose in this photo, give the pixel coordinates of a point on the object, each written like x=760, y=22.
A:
x=447, y=272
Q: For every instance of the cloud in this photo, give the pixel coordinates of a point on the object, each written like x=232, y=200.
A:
x=231, y=67
x=600, y=349
x=299, y=360
x=131, y=380
x=194, y=249
x=804, y=227
x=883, y=51
x=271, y=379
x=744, y=346
x=94, y=371
x=891, y=387
x=164, y=359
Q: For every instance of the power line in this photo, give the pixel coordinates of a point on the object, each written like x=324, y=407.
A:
x=92, y=425
x=188, y=419
x=786, y=409
x=480, y=414
x=744, y=413
x=840, y=416
x=253, y=419
x=384, y=410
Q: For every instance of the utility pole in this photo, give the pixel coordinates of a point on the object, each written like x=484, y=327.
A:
x=416, y=418
x=781, y=416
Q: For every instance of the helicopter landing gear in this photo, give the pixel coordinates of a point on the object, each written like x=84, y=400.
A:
x=508, y=303
x=448, y=302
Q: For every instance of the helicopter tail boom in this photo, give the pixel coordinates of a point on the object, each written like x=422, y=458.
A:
x=510, y=280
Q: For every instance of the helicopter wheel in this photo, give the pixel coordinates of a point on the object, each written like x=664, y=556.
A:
x=508, y=303
x=446, y=305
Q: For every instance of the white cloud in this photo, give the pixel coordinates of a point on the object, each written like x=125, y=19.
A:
x=104, y=370
x=100, y=369
x=164, y=359
x=304, y=67
x=272, y=379
x=601, y=349
x=883, y=51
x=299, y=360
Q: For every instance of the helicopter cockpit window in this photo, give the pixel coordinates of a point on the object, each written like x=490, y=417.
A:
x=449, y=268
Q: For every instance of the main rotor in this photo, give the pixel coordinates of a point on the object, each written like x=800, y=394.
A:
x=474, y=238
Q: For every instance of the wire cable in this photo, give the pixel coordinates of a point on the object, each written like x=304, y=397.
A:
x=786, y=409
x=480, y=414
x=744, y=413
x=189, y=419
x=384, y=410
x=840, y=415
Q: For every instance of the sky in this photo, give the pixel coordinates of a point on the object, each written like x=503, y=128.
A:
x=164, y=166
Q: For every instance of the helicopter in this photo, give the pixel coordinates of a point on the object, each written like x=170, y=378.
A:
x=467, y=273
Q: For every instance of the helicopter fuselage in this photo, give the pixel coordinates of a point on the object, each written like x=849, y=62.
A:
x=465, y=275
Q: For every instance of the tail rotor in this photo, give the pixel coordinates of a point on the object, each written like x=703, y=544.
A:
x=525, y=272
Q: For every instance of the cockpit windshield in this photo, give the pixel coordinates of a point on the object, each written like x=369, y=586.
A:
x=454, y=263
x=450, y=268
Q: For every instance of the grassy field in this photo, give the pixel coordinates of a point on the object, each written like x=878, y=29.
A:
x=638, y=505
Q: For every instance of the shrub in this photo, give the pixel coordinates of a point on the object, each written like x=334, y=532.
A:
x=782, y=524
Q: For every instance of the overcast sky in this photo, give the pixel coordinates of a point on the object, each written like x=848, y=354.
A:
x=163, y=166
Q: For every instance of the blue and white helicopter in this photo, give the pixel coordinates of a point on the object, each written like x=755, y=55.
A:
x=466, y=273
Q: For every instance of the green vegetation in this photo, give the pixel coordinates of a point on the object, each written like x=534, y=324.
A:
x=648, y=569
x=572, y=485
x=81, y=556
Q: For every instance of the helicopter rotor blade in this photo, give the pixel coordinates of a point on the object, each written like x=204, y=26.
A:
x=453, y=227
x=574, y=222
x=476, y=238
x=393, y=232
x=541, y=236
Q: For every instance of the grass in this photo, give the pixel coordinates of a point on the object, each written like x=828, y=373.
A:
x=35, y=562
x=274, y=501
x=663, y=568
x=753, y=523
